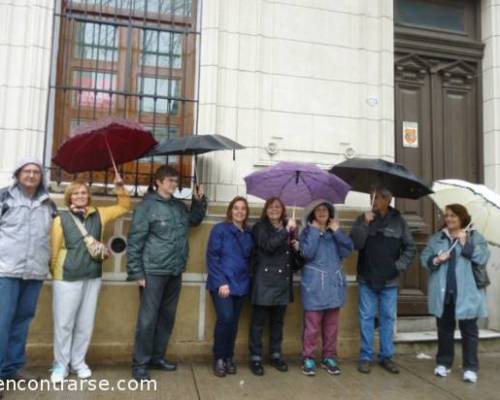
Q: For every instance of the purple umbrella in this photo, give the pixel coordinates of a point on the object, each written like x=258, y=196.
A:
x=296, y=184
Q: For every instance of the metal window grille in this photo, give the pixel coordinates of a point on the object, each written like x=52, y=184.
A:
x=130, y=58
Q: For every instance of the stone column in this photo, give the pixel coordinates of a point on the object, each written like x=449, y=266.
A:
x=490, y=21
x=25, y=56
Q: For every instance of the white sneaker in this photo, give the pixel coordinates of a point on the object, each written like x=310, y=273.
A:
x=470, y=376
x=83, y=372
x=441, y=371
x=59, y=374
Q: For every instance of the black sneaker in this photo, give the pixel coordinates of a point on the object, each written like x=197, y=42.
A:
x=279, y=364
x=331, y=366
x=309, y=367
x=257, y=368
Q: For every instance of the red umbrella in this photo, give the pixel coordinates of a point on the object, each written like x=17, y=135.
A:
x=102, y=144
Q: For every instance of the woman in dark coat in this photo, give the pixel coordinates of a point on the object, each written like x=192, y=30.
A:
x=275, y=258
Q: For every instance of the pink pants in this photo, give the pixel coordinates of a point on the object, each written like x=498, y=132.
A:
x=326, y=321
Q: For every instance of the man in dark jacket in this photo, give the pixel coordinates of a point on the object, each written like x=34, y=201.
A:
x=386, y=248
x=157, y=255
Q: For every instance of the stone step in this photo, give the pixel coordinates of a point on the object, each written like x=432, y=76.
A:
x=425, y=343
x=416, y=324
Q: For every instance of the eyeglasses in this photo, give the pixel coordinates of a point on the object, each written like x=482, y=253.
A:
x=34, y=172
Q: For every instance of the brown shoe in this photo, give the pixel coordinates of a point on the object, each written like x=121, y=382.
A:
x=365, y=366
x=390, y=366
x=220, y=368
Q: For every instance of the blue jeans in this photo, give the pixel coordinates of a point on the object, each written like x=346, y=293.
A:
x=385, y=303
x=226, y=328
x=18, y=301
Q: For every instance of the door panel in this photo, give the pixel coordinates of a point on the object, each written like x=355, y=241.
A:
x=441, y=97
x=412, y=98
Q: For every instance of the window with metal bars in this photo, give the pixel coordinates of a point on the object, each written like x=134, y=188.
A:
x=129, y=58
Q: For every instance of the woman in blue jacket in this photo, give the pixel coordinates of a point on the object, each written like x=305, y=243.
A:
x=228, y=257
x=450, y=257
x=324, y=246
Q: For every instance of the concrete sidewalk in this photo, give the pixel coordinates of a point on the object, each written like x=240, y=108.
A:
x=195, y=381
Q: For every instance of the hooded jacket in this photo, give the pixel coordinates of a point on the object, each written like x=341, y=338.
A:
x=158, y=238
x=323, y=281
x=25, y=225
x=470, y=301
x=229, y=254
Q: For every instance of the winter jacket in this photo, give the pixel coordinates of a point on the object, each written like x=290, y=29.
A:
x=274, y=262
x=229, y=253
x=25, y=225
x=470, y=302
x=323, y=281
x=71, y=260
x=158, y=238
x=386, y=248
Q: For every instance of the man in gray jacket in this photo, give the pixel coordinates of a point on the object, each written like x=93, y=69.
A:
x=386, y=248
x=26, y=214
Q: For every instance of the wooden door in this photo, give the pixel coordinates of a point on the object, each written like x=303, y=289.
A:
x=437, y=103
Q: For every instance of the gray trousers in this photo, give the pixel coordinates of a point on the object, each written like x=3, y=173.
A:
x=156, y=318
x=74, y=306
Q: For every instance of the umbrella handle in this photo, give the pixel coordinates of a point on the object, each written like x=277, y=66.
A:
x=373, y=200
x=111, y=156
x=293, y=212
x=455, y=242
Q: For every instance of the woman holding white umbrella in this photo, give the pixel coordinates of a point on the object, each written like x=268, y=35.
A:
x=451, y=256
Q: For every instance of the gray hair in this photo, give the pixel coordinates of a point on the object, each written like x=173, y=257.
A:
x=385, y=193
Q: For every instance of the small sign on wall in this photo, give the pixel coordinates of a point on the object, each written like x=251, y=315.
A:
x=410, y=134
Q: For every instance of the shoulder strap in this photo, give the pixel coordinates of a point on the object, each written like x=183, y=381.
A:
x=53, y=208
x=4, y=207
x=80, y=225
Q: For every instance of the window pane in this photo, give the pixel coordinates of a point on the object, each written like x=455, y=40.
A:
x=96, y=41
x=159, y=87
x=163, y=133
x=75, y=123
x=178, y=8
x=96, y=81
x=432, y=15
x=162, y=49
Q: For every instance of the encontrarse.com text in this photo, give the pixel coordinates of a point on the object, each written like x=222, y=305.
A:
x=75, y=385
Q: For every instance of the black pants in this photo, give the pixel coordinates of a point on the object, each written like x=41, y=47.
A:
x=276, y=316
x=156, y=318
x=470, y=339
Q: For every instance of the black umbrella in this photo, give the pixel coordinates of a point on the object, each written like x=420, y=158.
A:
x=367, y=174
x=193, y=145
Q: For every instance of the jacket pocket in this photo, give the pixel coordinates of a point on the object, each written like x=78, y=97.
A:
x=314, y=279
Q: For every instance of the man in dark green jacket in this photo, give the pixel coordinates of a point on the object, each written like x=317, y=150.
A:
x=157, y=254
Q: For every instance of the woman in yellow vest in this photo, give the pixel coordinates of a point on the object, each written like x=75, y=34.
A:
x=76, y=267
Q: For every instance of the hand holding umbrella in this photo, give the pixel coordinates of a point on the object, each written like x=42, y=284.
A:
x=199, y=193
x=118, y=181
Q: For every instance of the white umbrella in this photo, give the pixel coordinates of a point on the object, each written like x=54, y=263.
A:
x=481, y=202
